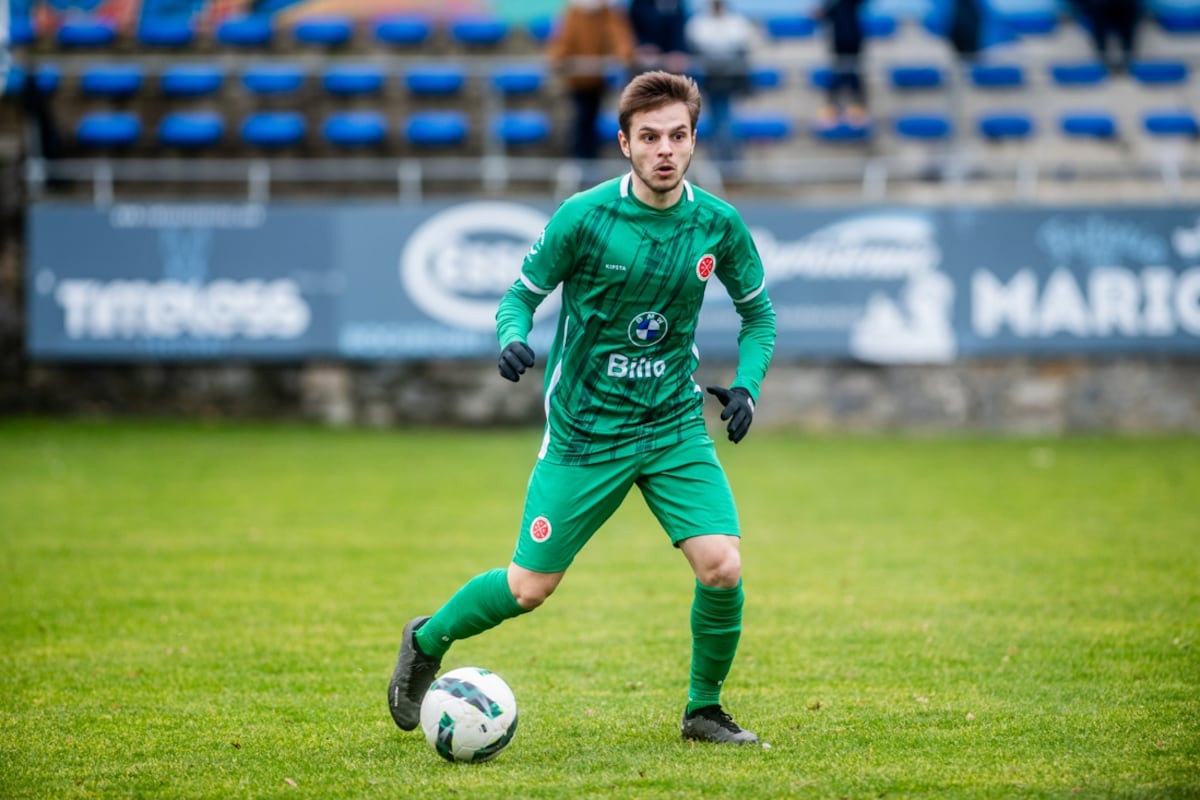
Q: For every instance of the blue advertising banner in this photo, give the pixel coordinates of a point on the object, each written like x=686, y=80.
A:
x=387, y=281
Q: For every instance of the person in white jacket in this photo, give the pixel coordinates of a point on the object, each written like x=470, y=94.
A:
x=721, y=42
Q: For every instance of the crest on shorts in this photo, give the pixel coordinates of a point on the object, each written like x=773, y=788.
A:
x=705, y=266
x=539, y=529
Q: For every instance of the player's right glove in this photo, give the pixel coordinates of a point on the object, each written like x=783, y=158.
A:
x=739, y=410
x=515, y=358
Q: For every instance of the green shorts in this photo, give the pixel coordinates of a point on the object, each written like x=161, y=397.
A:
x=684, y=486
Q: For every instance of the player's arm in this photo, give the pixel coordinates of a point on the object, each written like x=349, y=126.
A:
x=514, y=320
x=756, y=339
x=740, y=270
x=541, y=272
x=743, y=278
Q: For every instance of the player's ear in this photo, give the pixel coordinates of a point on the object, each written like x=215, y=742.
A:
x=621, y=140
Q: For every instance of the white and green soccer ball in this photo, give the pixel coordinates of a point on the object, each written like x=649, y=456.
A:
x=469, y=714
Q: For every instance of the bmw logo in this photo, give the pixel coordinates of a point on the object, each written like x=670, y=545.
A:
x=647, y=328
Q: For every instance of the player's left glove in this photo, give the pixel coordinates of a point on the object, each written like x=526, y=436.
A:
x=739, y=410
x=514, y=360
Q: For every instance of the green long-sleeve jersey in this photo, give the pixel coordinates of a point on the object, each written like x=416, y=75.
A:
x=619, y=373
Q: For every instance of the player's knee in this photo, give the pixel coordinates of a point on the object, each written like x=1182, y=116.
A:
x=530, y=589
x=722, y=571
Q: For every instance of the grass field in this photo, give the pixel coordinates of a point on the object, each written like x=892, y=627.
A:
x=196, y=611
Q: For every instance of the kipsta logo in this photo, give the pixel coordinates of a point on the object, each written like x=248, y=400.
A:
x=705, y=266
x=647, y=328
x=540, y=529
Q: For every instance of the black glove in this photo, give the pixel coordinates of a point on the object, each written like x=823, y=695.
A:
x=739, y=410
x=514, y=358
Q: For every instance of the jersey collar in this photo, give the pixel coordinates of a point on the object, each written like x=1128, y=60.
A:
x=627, y=184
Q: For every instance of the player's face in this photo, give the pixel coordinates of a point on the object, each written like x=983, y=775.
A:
x=659, y=146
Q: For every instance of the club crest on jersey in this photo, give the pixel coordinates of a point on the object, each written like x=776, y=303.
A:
x=647, y=328
x=539, y=529
x=705, y=266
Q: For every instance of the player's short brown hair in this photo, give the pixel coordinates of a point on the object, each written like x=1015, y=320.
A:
x=651, y=90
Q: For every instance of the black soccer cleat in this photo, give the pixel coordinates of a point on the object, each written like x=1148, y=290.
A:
x=712, y=724
x=414, y=673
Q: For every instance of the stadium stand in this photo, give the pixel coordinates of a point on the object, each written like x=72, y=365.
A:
x=398, y=86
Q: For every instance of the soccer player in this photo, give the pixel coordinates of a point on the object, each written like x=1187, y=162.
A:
x=633, y=255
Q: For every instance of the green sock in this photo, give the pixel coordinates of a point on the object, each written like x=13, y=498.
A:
x=716, y=628
x=481, y=604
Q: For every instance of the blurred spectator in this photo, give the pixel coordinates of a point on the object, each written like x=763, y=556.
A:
x=721, y=42
x=846, y=99
x=592, y=35
x=965, y=27
x=1109, y=19
x=659, y=28
x=46, y=136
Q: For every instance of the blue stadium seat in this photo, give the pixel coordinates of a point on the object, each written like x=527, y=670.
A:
x=46, y=79
x=761, y=126
x=191, y=129
x=1029, y=21
x=436, y=128
x=997, y=76
x=842, y=133
x=1098, y=124
x=191, y=80
x=923, y=125
x=521, y=127
x=541, y=28
x=435, y=79
x=359, y=128
x=478, y=31
x=349, y=79
x=163, y=31
x=1181, y=20
x=325, y=30
x=111, y=80
x=878, y=26
x=1171, y=122
x=87, y=32
x=820, y=77
x=272, y=129
x=273, y=77
x=790, y=27
x=108, y=129
x=766, y=78
x=407, y=30
x=1004, y=125
x=1159, y=73
x=915, y=76
x=616, y=76
x=607, y=126
x=1087, y=73
x=21, y=31
x=244, y=32
x=519, y=79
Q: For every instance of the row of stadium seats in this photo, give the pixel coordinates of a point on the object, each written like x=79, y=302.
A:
x=122, y=79
x=348, y=78
x=194, y=129
x=414, y=30
x=84, y=32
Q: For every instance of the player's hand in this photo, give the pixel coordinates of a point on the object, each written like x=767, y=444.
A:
x=515, y=358
x=739, y=410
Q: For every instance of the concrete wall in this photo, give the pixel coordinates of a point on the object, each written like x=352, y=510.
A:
x=1010, y=396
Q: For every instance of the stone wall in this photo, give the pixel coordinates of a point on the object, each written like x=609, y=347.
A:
x=1017, y=396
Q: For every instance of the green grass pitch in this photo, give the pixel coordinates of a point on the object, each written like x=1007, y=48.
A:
x=196, y=611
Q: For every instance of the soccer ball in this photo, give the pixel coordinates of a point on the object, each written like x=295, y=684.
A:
x=469, y=714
